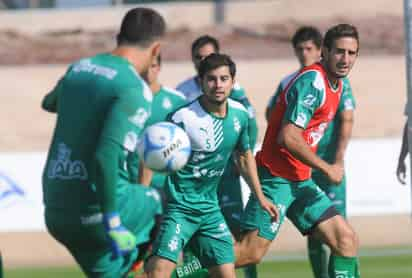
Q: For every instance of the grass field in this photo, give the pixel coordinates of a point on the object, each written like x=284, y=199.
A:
x=382, y=266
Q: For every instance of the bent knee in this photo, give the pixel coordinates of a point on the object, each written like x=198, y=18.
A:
x=347, y=242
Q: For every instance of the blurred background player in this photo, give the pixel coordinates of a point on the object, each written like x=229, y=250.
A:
x=229, y=190
x=165, y=100
x=307, y=43
x=217, y=126
x=102, y=103
x=297, y=123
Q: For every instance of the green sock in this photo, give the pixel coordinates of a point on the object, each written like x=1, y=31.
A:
x=250, y=271
x=342, y=267
x=357, y=268
x=318, y=257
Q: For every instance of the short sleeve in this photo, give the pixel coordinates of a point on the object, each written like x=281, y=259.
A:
x=347, y=101
x=302, y=101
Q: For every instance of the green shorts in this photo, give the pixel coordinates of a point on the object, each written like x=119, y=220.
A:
x=207, y=236
x=83, y=234
x=304, y=203
x=230, y=197
x=335, y=192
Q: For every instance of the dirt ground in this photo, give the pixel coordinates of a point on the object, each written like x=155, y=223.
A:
x=381, y=34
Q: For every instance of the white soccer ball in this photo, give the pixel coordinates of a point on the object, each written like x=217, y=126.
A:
x=164, y=147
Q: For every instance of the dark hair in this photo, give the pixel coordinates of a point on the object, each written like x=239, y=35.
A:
x=141, y=26
x=307, y=33
x=202, y=41
x=340, y=31
x=214, y=61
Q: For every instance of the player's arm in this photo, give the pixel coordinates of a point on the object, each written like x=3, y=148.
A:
x=290, y=137
x=401, y=168
x=346, y=113
x=248, y=170
x=302, y=101
x=145, y=174
x=122, y=125
x=345, y=133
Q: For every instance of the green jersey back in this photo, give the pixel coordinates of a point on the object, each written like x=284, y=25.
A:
x=213, y=139
x=328, y=144
x=99, y=99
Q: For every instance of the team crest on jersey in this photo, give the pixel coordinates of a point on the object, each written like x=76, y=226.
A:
x=167, y=104
x=64, y=168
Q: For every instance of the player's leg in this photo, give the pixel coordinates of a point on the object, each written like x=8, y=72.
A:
x=213, y=245
x=256, y=223
x=318, y=252
x=313, y=213
x=343, y=242
x=175, y=231
x=225, y=270
x=231, y=204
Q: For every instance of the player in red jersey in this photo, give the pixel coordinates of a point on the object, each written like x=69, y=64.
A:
x=301, y=115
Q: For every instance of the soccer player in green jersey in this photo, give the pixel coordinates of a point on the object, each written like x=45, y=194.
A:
x=217, y=127
x=301, y=114
x=229, y=190
x=307, y=42
x=102, y=104
x=165, y=100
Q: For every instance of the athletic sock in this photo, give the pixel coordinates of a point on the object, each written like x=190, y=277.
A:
x=250, y=271
x=318, y=257
x=343, y=267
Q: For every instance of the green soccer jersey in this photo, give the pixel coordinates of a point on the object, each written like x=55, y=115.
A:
x=102, y=106
x=164, y=102
x=213, y=140
x=328, y=144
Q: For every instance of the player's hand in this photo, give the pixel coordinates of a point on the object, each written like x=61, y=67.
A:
x=401, y=172
x=122, y=240
x=270, y=208
x=335, y=173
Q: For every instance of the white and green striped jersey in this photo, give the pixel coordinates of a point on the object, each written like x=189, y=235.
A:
x=213, y=140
